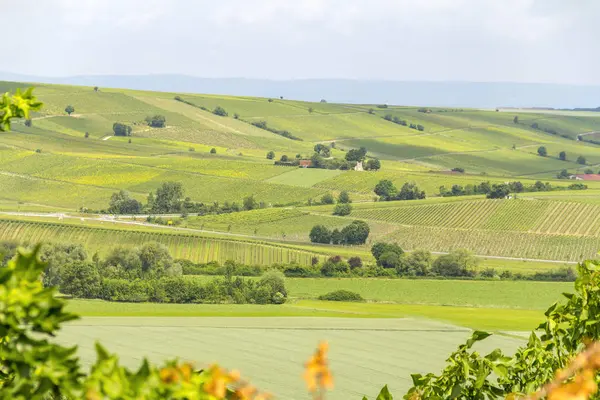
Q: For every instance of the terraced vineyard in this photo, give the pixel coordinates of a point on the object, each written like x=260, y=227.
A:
x=492, y=243
x=192, y=247
x=536, y=216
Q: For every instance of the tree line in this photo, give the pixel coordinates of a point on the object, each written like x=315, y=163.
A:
x=169, y=198
x=387, y=191
x=502, y=190
x=390, y=261
x=321, y=158
x=147, y=274
x=396, y=120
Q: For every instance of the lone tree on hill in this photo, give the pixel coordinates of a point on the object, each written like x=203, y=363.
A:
x=70, y=109
x=213, y=151
x=250, y=203
x=581, y=160
x=562, y=156
x=564, y=174
x=516, y=119
x=96, y=89
x=156, y=121
x=270, y=155
x=121, y=129
x=542, y=151
x=310, y=109
x=87, y=135
x=220, y=111
x=344, y=198
x=168, y=198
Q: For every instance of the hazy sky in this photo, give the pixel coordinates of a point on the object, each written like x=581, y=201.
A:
x=465, y=40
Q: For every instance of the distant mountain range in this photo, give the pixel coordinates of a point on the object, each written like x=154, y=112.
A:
x=442, y=94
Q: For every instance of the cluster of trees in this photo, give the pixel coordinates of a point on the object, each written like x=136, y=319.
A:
x=396, y=120
x=120, y=129
x=284, y=133
x=148, y=273
x=458, y=263
x=543, y=152
x=387, y=191
x=342, y=207
x=323, y=150
x=169, y=199
x=355, y=233
x=502, y=190
x=321, y=159
x=391, y=262
x=156, y=121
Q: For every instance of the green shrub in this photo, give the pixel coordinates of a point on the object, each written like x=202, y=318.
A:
x=341, y=295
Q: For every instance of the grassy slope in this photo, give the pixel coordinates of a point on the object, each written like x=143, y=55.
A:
x=482, y=139
x=72, y=172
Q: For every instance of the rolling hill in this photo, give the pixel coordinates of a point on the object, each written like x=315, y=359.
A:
x=54, y=165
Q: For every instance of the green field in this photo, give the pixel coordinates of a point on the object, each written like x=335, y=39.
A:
x=270, y=352
x=478, y=141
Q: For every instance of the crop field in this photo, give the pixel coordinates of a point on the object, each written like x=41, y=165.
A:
x=527, y=215
x=187, y=246
x=52, y=166
x=283, y=223
x=305, y=177
x=271, y=352
x=507, y=244
x=433, y=292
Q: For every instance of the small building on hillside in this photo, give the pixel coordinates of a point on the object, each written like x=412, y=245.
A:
x=305, y=163
x=586, y=177
x=359, y=166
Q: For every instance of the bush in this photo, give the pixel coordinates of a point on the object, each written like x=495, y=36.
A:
x=581, y=160
x=542, y=151
x=355, y=262
x=120, y=129
x=458, y=263
x=342, y=209
x=344, y=198
x=213, y=151
x=341, y=295
x=220, y=111
x=379, y=248
x=389, y=259
x=320, y=234
x=327, y=199
x=373, y=164
x=156, y=121
x=270, y=155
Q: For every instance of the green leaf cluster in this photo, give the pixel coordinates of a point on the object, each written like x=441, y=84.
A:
x=550, y=347
x=17, y=105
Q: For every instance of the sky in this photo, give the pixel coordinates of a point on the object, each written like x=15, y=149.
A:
x=550, y=41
